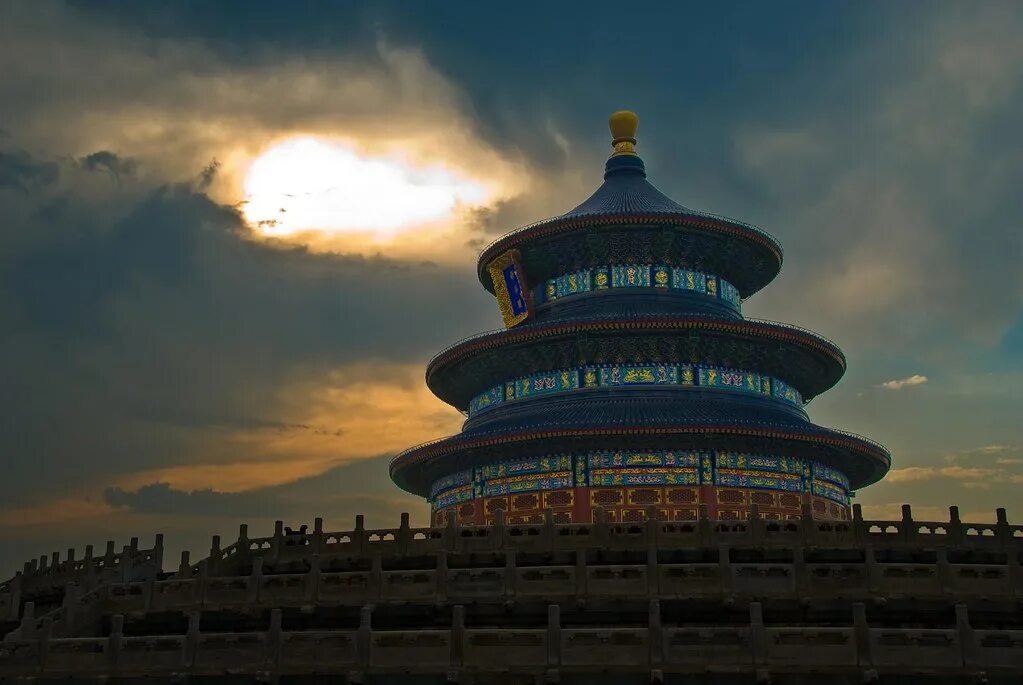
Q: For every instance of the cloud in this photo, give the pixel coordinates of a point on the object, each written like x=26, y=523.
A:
x=925, y=473
x=19, y=171
x=107, y=161
x=189, y=104
x=898, y=384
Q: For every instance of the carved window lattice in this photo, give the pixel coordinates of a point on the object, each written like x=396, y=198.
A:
x=607, y=497
x=682, y=496
x=730, y=497
x=644, y=497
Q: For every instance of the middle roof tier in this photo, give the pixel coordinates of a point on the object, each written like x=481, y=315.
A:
x=804, y=360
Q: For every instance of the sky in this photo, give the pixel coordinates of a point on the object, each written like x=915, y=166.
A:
x=234, y=233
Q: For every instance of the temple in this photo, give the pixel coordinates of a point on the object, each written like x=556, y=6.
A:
x=637, y=496
x=628, y=378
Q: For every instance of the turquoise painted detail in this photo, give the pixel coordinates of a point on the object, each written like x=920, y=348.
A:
x=611, y=375
x=610, y=468
x=637, y=276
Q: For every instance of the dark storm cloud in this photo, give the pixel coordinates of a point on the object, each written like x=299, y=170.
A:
x=19, y=171
x=159, y=311
x=291, y=501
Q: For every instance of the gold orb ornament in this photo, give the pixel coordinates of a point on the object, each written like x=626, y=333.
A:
x=623, y=127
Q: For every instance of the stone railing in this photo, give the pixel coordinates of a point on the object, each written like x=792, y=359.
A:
x=549, y=536
x=433, y=580
x=656, y=647
x=49, y=574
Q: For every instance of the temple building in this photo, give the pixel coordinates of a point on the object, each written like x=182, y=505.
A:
x=637, y=496
x=628, y=377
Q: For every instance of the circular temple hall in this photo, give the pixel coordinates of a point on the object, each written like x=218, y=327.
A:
x=627, y=378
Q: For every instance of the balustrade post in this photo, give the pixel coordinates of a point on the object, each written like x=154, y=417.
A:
x=548, y=528
x=498, y=530
x=376, y=577
x=758, y=635
x=651, y=524
x=359, y=534
x=54, y=561
x=1002, y=531
x=149, y=592
x=43, y=564
x=191, y=645
x=873, y=570
x=404, y=534
x=69, y=603
x=799, y=573
x=90, y=568
x=255, y=580
x=580, y=576
x=967, y=638
x=706, y=533
x=655, y=638
x=45, y=634
x=158, y=552
x=755, y=527
x=653, y=578
x=277, y=542
x=807, y=526
x=956, y=533
x=601, y=527
x=312, y=579
x=127, y=564
x=184, y=567
x=199, y=589
x=214, y=560
x=318, y=535
x=456, y=656
x=553, y=636
x=243, y=536
x=907, y=526
x=510, y=573
x=70, y=555
x=451, y=532
x=945, y=579
x=442, y=575
x=364, y=636
x=862, y=631
x=108, y=556
x=15, y=607
x=274, y=639
x=114, y=640
x=725, y=569
x=28, y=616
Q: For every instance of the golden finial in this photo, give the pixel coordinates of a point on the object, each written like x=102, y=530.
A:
x=623, y=127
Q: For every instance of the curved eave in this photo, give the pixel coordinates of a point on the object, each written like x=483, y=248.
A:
x=865, y=462
x=703, y=222
x=448, y=360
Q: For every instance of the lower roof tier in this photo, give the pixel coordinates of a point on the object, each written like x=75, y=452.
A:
x=802, y=359
x=861, y=460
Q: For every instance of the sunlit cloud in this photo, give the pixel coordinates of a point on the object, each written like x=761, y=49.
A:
x=898, y=384
x=321, y=185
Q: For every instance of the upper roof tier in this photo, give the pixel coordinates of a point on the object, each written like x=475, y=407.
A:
x=635, y=220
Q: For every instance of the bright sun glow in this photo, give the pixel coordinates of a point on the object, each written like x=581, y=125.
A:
x=314, y=184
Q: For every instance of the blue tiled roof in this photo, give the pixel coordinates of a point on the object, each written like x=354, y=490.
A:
x=626, y=191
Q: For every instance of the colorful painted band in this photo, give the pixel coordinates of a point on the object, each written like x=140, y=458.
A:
x=603, y=468
x=637, y=276
x=608, y=375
